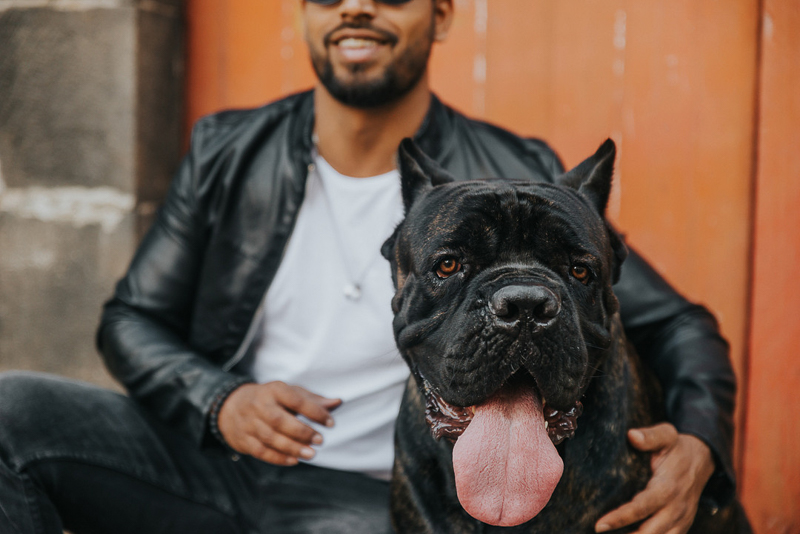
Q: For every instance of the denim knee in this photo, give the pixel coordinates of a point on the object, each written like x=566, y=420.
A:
x=22, y=410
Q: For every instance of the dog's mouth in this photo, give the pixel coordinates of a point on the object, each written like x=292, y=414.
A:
x=448, y=421
x=505, y=461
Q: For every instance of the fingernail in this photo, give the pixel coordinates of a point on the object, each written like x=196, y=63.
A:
x=291, y=461
x=317, y=439
x=602, y=527
x=637, y=435
x=307, y=452
x=329, y=422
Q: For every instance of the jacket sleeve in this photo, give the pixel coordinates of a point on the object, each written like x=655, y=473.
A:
x=681, y=343
x=144, y=327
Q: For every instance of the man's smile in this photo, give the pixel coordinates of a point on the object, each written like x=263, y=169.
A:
x=359, y=45
x=358, y=49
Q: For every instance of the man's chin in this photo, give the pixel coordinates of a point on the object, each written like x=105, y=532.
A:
x=364, y=94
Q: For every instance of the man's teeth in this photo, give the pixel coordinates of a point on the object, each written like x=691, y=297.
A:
x=354, y=42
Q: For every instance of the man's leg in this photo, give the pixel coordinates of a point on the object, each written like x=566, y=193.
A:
x=306, y=499
x=88, y=460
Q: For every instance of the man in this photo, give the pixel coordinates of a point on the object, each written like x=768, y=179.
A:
x=240, y=346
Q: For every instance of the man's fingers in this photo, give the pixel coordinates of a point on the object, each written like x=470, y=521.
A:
x=671, y=520
x=653, y=438
x=257, y=449
x=310, y=405
x=287, y=424
x=642, y=506
x=281, y=443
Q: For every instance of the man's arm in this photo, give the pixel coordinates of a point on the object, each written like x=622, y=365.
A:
x=145, y=326
x=681, y=343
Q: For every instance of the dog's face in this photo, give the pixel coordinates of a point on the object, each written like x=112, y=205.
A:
x=502, y=308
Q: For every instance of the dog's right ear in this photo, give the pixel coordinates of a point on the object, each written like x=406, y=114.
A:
x=418, y=172
x=592, y=176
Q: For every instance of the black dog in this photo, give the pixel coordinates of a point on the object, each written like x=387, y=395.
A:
x=505, y=314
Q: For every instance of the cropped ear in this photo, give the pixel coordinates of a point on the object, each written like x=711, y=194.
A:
x=592, y=177
x=418, y=172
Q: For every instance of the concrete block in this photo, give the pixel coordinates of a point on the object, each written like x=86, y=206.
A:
x=62, y=252
x=67, y=80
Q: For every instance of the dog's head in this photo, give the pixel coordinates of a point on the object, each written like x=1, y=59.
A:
x=503, y=308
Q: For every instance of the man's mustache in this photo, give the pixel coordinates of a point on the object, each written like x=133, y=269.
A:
x=385, y=35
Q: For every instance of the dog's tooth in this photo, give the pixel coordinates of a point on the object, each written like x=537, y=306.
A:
x=546, y=424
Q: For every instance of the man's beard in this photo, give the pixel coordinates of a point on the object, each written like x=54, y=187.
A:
x=397, y=80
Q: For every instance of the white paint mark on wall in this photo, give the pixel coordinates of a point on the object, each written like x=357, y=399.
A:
x=479, y=69
x=620, y=29
x=618, y=67
x=79, y=206
x=615, y=200
x=479, y=63
x=481, y=16
x=62, y=5
x=769, y=27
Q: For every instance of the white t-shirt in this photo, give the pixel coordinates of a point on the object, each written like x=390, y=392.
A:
x=316, y=337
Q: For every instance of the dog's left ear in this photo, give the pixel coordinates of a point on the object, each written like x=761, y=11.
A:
x=592, y=177
x=418, y=172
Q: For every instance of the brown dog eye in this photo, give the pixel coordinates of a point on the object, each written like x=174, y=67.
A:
x=580, y=273
x=448, y=267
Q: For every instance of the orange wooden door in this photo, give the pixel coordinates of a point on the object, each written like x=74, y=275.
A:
x=770, y=479
x=676, y=85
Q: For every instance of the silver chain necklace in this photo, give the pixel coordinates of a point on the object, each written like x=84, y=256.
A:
x=353, y=289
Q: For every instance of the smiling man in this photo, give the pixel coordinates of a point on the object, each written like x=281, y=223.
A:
x=253, y=328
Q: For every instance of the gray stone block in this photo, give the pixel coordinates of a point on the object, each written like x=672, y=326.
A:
x=67, y=97
x=54, y=277
x=91, y=104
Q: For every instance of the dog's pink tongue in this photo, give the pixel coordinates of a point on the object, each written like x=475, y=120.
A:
x=506, y=467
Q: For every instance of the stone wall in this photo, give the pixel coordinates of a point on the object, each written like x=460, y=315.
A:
x=90, y=125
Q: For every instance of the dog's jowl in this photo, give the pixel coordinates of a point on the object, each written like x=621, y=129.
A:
x=523, y=385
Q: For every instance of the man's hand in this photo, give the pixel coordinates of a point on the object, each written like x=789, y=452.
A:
x=261, y=420
x=682, y=465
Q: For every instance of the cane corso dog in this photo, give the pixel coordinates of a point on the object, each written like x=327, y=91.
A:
x=523, y=385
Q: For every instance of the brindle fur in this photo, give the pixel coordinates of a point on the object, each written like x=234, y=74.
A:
x=601, y=470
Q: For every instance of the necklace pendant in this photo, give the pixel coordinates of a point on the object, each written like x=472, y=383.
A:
x=352, y=291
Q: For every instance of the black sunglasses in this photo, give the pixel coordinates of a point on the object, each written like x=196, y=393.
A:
x=331, y=2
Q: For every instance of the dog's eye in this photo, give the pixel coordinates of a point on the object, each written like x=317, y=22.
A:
x=447, y=267
x=580, y=273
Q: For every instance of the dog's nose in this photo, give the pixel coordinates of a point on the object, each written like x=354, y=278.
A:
x=536, y=302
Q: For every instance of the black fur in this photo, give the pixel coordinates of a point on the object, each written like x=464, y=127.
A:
x=507, y=233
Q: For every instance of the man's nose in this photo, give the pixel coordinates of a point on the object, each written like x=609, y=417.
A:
x=357, y=8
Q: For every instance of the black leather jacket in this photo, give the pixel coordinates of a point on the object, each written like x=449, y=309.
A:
x=183, y=315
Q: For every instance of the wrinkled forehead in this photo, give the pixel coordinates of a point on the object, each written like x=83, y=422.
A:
x=455, y=205
x=501, y=220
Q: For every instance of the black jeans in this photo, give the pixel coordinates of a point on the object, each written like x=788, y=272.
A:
x=77, y=457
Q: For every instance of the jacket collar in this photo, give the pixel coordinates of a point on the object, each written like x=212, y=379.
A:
x=429, y=136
